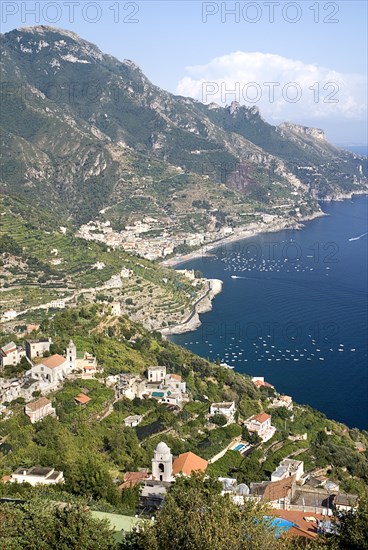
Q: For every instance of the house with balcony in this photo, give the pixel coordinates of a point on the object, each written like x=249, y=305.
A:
x=261, y=424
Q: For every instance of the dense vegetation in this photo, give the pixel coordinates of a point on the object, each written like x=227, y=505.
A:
x=89, y=446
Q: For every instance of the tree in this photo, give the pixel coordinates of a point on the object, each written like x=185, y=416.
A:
x=42, y=525
x=354, y=528
x=90, y=477
x=196, y=516
x=252, y=437
x=218, y=419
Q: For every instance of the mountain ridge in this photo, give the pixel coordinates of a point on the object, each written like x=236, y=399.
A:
x=90, y=131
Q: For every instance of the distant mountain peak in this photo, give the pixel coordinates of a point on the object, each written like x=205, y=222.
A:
x=65, y=43
x=92, y=131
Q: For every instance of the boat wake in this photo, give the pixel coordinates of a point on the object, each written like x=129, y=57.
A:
x=359, y=237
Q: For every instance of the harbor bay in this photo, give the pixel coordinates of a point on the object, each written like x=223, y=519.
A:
x=293, y=309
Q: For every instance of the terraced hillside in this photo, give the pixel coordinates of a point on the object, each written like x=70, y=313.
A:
x=42, y=260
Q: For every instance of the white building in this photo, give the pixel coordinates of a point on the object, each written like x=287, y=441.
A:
x=227, y=409
x=174, y=382
x=156, y=374
x=171, y=398
x=39, y=409
x=36, y=348
x=115, y=308
x=9, y=315
x=57, y=304
x=71, y=355
x=288, y=468
x=133, y=420
x=37, y=475
x=162, y=463
x=11, y=354
x=261, y=424
x=51, y=369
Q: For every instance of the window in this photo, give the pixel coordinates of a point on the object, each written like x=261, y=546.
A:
x=161, y=467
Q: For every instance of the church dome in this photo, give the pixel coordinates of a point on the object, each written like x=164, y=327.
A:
x=162, y=448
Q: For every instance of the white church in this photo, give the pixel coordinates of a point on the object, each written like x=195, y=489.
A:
x=55, y=368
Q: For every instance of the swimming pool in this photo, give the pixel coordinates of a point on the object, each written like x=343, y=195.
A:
x=281, y=525
x=239, y=447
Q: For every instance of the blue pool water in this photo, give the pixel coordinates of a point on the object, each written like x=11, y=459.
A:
x=281, y=525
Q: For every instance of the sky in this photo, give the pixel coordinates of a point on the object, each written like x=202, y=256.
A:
x=303, y=62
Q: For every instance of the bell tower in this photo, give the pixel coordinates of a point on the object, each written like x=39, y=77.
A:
x=71, y=355
x=162, y=463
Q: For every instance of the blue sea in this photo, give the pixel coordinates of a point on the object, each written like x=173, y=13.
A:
x=297, y=311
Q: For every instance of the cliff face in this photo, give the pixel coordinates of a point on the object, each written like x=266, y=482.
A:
x=88, y=131
x=315, y=133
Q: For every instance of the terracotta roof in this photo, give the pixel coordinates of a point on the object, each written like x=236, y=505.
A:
x=82, y=399
x=187, y=463
x=260, y=383
x=175, y=377
x=89, y=367
x=278, y=489
x=38, y=404
x=132, y=478
x=53, y=361
x=8, y=348
x=262, y=417
x=302, y=527
x=286, y=398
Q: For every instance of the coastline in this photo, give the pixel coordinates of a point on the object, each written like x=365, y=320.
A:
x=204, y=304
x=241, y=233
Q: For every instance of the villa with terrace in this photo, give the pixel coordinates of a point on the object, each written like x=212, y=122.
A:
x=261, y=424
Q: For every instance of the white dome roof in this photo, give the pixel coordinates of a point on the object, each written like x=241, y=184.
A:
x=162, y=448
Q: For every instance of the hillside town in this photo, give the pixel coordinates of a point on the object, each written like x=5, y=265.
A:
x=310, y=496
x=149, y=238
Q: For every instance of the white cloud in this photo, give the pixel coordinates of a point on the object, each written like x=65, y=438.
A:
x=282, y=88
